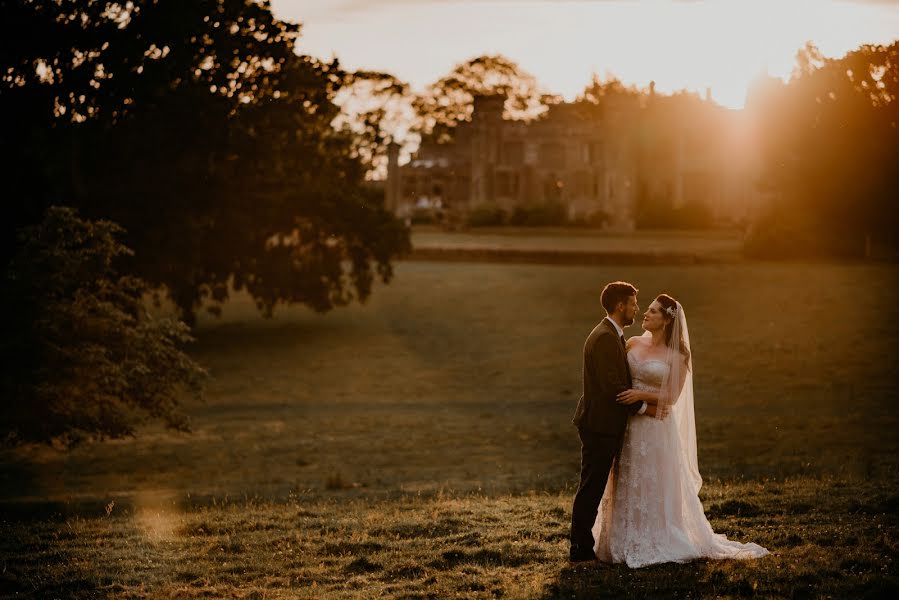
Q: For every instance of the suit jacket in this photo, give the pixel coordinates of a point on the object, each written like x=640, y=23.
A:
x=606, y=374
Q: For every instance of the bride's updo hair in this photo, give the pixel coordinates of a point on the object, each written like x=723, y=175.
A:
x=668, y=302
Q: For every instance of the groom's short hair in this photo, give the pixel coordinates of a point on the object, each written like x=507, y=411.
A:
x=615, y=292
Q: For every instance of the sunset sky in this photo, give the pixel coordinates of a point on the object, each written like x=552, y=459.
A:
x=693, y=44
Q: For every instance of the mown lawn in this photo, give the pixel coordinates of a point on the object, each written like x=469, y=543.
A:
x=421, y=444
x=719, y=245
x=830, y=538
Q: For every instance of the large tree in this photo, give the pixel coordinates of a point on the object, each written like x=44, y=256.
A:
x=376, y=110
x=197, y=128
x=449, y=100
x=831, y=150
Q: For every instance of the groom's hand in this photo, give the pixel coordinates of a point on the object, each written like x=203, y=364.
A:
x=629, y=397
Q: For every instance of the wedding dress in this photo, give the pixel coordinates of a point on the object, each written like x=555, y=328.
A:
x=651, y=512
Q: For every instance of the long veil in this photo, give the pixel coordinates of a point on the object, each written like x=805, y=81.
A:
x=676, y=398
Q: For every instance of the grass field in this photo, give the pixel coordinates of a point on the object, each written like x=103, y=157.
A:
x=421, y=444
x=550, y=238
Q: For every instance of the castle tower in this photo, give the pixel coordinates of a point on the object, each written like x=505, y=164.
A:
x=487, y=120
x=392, y=189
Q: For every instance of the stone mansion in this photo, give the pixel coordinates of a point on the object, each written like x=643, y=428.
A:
x=664, y=151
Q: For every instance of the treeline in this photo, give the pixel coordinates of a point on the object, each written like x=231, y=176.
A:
x=830, y=139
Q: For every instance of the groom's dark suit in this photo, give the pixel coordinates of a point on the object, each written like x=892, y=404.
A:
x=600, y=422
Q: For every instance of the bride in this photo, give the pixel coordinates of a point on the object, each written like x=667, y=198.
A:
x=650, y=512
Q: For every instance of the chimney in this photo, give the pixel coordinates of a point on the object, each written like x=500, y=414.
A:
x=392, y=189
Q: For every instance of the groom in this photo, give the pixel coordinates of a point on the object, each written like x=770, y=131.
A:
x=599, y=419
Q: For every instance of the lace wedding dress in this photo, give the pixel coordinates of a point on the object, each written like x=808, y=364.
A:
x=650, y=512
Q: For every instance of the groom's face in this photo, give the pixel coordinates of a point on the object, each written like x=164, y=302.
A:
x=630, y=311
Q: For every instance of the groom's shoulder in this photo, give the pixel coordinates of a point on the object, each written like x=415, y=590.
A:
x=601, y=328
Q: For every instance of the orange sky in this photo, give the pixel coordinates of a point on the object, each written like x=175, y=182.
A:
x=693, y=44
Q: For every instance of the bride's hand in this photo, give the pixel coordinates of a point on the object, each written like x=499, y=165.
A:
x=630, y=397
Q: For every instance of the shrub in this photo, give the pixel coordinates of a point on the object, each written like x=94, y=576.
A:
x=598, y=218
x=539, y=214
x=81, y=354
x=486, y=215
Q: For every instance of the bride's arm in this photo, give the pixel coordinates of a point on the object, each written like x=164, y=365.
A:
x=633, y=396
x=652, y=398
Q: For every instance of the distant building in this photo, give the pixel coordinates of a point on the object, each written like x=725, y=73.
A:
x=635, y=160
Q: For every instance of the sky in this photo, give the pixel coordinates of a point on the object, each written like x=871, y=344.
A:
x=719, y=45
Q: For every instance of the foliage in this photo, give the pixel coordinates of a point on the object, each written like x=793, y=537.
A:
x=379, y=109
x=831, y=151
x=602, y=96
x=486, y=215
x=426, y=216
x=693, y=214
x=81, y=355
x=450, y=100
x=376, y=109
x=197, y=128
x=596, y=218
x=533, y=214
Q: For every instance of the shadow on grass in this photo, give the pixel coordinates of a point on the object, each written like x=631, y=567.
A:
x=600, y=580
x=266, y=336
x=773, y=576
x=61, y=574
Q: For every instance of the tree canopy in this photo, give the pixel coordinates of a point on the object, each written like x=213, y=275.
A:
x=831, y=152
x=196, y=127
x=376, y=109
x=450, y=100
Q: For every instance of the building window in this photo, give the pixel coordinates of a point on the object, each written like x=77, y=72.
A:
x=552, y=156
x=582, y=184
x=506, y=184
x=697, y=188
x=594, y=153
x=553, y=187
x=513, y=154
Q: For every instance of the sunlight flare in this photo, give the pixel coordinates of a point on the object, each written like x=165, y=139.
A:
x=717, y=47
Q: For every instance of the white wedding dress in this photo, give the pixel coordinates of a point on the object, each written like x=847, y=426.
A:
x=650, y=512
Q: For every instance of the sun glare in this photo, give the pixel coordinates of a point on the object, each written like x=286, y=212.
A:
x=704, y=46
x=156, y=514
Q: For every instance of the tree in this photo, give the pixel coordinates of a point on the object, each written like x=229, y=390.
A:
x=196, y=127
x=832, y=152
x=81, y=354
x=376, y=109
x=605, y=94
x=449, y=101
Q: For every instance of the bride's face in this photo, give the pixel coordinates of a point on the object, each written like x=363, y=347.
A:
x=652, y=318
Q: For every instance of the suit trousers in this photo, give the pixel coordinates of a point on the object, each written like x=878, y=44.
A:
x=598, y=451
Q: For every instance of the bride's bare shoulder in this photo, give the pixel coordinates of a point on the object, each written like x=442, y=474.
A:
x=633, y=341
